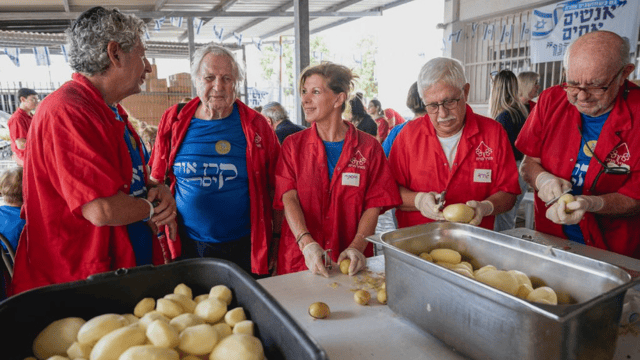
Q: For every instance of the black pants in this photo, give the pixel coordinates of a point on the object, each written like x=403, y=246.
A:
x=237, y=251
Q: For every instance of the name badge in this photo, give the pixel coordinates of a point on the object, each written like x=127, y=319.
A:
x=482, y=175
x=350, y=179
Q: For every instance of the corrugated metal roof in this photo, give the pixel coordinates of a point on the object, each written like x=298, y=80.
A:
x=42, y=22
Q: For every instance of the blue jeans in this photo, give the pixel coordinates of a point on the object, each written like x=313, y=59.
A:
x=237, y=251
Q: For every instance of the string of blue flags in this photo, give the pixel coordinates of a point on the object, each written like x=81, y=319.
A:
x=502, y=33
x=41, y=53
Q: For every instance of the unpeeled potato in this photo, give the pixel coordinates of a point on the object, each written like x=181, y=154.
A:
x=461, y=213
x=567, y=198
x=344, y=266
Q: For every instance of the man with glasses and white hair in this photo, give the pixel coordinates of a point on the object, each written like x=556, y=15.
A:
x=597, y=105
x=452, y=155
x=219, y=156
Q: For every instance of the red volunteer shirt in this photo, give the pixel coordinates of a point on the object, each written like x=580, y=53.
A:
x=484, y=164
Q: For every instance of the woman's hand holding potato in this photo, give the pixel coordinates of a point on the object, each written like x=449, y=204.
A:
x=358, y=261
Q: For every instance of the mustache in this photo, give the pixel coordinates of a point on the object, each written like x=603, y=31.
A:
x=450, y=117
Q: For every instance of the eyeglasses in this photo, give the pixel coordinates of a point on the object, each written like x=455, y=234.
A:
x=613, y=170
x=575, y=90
x=447, y=104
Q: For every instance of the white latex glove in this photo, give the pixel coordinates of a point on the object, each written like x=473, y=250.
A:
x=583, y=203
x=550, y=186
x=426, y=203
x=358, y=261
x=482, y=209
x=313, y=258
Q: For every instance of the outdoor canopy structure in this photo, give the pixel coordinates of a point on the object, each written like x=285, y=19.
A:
x=176, y=27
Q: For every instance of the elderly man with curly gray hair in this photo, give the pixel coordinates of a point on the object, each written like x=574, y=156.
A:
x=88, y=202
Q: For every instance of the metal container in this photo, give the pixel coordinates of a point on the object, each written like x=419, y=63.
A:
x=26, y=314
x=485, y=323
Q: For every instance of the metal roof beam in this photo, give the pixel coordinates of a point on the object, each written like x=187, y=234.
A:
x=199, y=14
x=258, y=20
x=222, y=7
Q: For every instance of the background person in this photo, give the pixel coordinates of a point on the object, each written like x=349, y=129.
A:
x=20, y=122
x=453, y=150
x=528, y=87
x=332, y=180
x=219, y=156
x=359, y=117
x=375, y=110
x=279, y=120
x=11, y=224
x=506, y=108
x=393, y=117
x=92, y=212
x=582, y=136
x=415, y=104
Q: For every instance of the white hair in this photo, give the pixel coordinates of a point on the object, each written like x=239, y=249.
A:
x=447, y=70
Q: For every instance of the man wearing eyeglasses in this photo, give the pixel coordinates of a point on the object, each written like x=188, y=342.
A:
x=583, y=137
x=452, y=155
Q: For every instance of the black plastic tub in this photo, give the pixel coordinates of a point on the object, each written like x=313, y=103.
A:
x=23, y=316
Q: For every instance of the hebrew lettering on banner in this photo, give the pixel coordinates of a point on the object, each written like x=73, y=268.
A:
x=555, y=26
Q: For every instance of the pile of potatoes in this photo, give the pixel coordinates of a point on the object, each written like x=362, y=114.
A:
x=175, y=327
x=513, y=282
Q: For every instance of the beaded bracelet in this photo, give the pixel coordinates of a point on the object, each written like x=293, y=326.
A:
x=301, y=236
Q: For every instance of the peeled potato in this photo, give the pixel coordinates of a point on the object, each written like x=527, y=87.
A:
x=162, y=334
x=144, y=306
x=234, y=316
x=521, y=277
x=462, y=270
x=483, y=269
x=425, y=255
x=131, y=319
x=169, y=308
x=198, y=340
x=56, y=338
x=567, y=198
x=99, y=326
x=223, y=330
x=319, y=310
x=150, y=317
x=344, y=266
x=461, y=213
x=184, y=290
x=382, y=296
x=199, y=298
x=79, y=351
x=185, y=301
x=523, y=291
x=149, y=352
x=244, y=327
x=446, y=255
x=238, y=347
x=544, y=295
x=185, y=320
x=221, y=292
x=58, y=357
x=500, y=280
x=211, y=310
x=362, y=297
x=113, y=344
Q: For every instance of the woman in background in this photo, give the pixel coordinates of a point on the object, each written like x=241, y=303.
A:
x=359, y=117
x=506, y=108
x=375, y=110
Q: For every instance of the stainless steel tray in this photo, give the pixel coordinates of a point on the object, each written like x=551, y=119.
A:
x=485, y=323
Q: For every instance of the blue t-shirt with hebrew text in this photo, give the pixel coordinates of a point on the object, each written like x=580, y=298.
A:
x=212, y=183
x=139, y=232
x=591, y=128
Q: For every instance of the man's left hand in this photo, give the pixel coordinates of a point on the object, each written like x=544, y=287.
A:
x=166, y=210
x=573, y=212
x=482, y=209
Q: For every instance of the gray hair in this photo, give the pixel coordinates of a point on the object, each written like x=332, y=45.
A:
x=447, y=70
x=275, y=111
x=623, y=54
x=211, y=48
x=92, y=31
